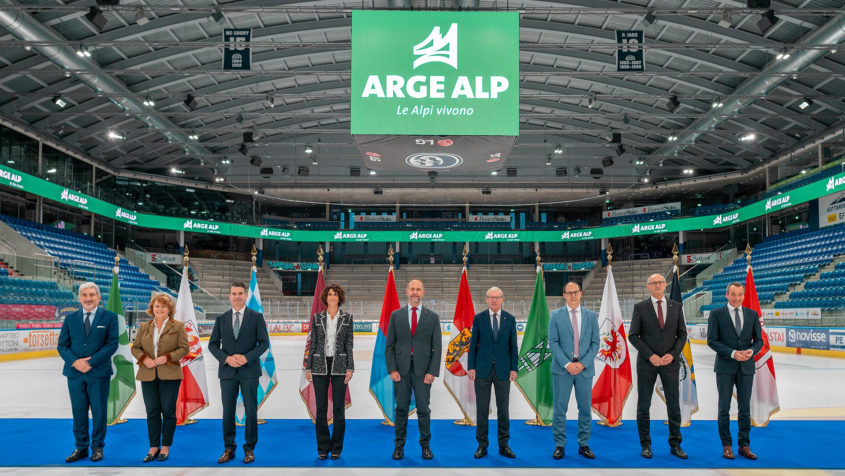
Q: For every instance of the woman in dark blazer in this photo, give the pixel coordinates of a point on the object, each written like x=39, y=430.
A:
x=159, y=346
x=330, y=360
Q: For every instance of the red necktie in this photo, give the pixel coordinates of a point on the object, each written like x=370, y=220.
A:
x=413, y=320
x=660, y=313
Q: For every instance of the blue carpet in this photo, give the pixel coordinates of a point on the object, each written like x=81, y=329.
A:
x=783, y=444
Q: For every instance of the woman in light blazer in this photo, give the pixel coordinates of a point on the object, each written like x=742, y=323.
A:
x=159, y=346
x=330, y=360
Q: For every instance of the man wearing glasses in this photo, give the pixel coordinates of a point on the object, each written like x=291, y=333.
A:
x=492, y=360
x=574, y=342
x=659, y=333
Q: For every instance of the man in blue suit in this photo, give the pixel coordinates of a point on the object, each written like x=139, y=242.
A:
x=492, y=360
x=87, y=341
x=574, y=342
x=734, y=332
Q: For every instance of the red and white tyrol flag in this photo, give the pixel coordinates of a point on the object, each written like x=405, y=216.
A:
x=613, y=362
x=193, y=393
x=306, y=388
x=456, y=379
x=764, y=393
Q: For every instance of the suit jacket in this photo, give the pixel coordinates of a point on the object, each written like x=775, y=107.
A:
x=484, y=351
x=562, y=341
x=342, y=361
x=173, y=342
x=252, y=341
x=100, y=343
x=426, y=343
x=722, y=337
x=645, y=333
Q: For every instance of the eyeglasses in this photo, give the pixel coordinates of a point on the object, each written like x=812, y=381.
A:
x=572, y=293
x=656, y=283
x=495, y=297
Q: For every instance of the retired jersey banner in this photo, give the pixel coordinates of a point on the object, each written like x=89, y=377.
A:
x=451, y=73
x=237, y=55
x=630, y=55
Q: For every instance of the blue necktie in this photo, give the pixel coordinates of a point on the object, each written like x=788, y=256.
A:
x=495, y=327
x=87, y=323
x=237, y=327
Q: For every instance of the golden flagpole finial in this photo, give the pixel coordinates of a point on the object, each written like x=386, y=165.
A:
x=320, y=254
x=537, y=250
x=675, y=254
x=186, y=255
x=748, y=253
x=465, y=252
x=390, y=254
x=116, y=256
x=609, y=251
x=253, y=252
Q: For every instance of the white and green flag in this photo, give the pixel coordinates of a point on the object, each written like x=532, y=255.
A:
x=122, y=384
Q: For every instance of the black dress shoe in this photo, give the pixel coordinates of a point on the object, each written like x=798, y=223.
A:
x=426, y=453
x=646, y=452
x=249, y=456
x=97, y=455
x=335, y=455
x=586, y=452
x=480, y=453
x=506, y=452
x=398, y=453
x=76, y=456
x=559, y=452
x=150, y=456
x=677, y=451
x=162, y=457
x=228, y=455
x=323, y=455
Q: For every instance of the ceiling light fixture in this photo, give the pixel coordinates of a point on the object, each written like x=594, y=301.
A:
x=807, y=102
x=558, y=149
x=59, y=101
x=149, y=102
x=673, y=104
x=191, y=102
x=83, y=51
x=95, y=16
x=309, y=149
x=115, y=136
x=726, y=21
x=650, y=17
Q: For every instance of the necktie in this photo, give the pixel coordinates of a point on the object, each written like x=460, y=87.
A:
x=413, y=321
x=660, y=313
x=576, y=340
x=495, y=327
x=237, y=327
x=87, y=323
x=737, y=321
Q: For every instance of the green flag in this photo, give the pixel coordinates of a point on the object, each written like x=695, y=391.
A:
x=535, y=359
x=122, y=384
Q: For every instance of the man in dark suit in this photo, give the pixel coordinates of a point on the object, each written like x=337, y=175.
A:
x=492, y=360
x=659, y=333
x=413, y=354
x=87, y=341
x=734, y=333
x=237, y=341
x=574, y=342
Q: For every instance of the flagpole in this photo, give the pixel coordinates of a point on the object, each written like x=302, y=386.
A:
x=119, y=420
x=465, y=421
x=189, y=420
x=261, y=421
x=536, y=421
x=603, y=419
x=386, y=421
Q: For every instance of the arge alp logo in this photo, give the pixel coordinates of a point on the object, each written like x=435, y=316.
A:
x=191, y=225
x=501, y=236
x=442, y=49
x=10, y=176
x=833, y=183
x=350, y=236
x=652, y=227
x=566, y=235
x=725, y=219
x=425, y=236
x=274, y=233
x=69, y=196
x=428, y=161
x=126, y=216
x=778, y=202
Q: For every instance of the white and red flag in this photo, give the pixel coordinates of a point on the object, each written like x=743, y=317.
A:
x=764, y=393
x=456, y=379
x=193, y=393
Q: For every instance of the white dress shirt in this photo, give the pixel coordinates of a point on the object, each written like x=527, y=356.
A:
x=419, y=313
x=156, y=336
x=498, y=318
x=241, y=321
x=663, y=304
x=731, y=314
x=331, y=332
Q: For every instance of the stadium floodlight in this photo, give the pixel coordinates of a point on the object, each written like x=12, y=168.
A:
x=807, y=102
x=61, y=103
x=673, y=104
x=309, y=149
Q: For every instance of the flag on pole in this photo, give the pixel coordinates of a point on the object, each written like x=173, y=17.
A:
x=613, y=361
x=122, y=383
x=764, y=392
x=193, y=393
x=306, y=388
x=534, y=378
x=456, y=379
x=688, y=389
x=268, y=380
x=381, y=387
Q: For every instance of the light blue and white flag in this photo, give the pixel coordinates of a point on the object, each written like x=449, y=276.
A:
x=268, y=380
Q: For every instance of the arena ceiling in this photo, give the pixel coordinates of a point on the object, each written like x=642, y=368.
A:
x=125, y=83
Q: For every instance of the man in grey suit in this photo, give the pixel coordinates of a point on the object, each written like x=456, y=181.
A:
x=735, y=334
x=238, y=339
x=574, y=342
x=412, y=352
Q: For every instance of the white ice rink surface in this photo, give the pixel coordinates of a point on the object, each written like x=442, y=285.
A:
x=809, y=388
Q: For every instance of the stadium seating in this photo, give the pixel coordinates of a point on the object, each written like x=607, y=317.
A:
x=85, y=259
x=639, y=218
x=788, y=259
x=714, y=209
